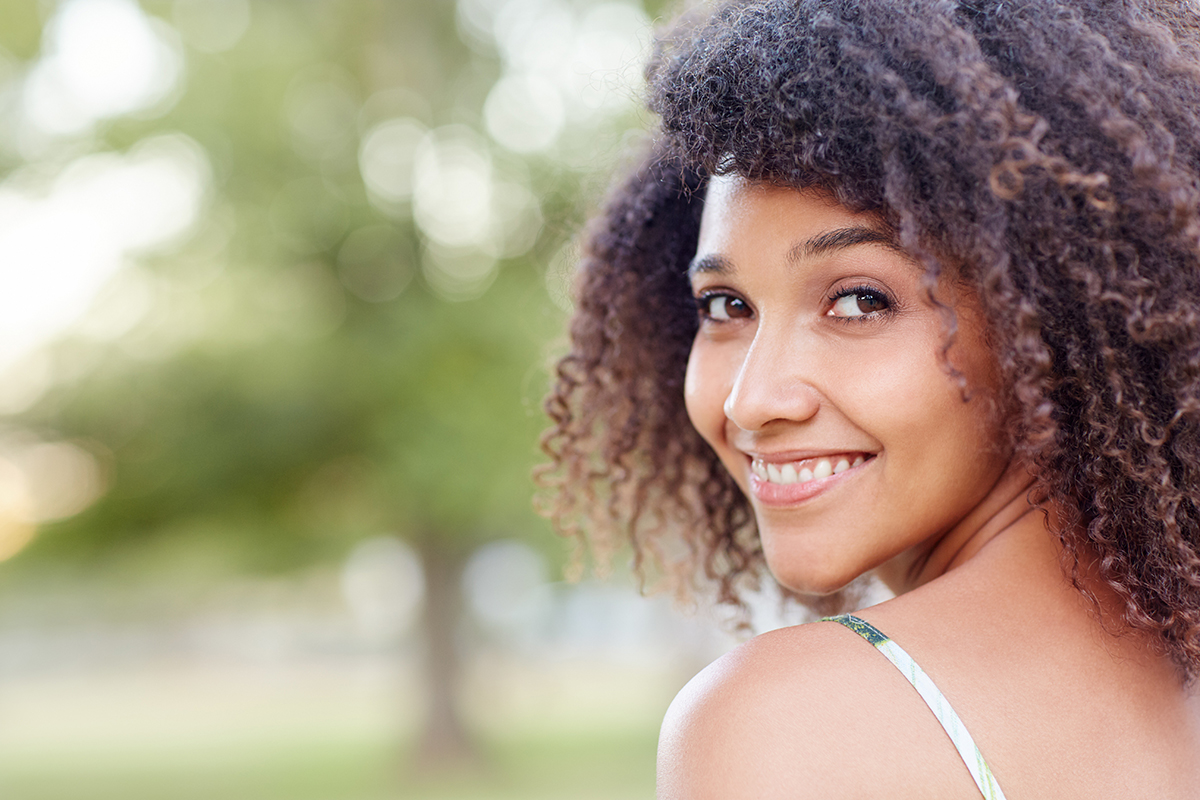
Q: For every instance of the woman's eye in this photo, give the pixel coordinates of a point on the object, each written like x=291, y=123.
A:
x=722, y=307
x=859, y=303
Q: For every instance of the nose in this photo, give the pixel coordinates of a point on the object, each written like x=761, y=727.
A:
x=773, y=384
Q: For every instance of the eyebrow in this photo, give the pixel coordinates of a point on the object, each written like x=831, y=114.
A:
x=842, y=238
x=822, y=244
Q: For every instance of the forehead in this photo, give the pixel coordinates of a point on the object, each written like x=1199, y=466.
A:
x=745, y=216
x=735, y=205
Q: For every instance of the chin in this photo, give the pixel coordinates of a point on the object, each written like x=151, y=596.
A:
x=813, y=580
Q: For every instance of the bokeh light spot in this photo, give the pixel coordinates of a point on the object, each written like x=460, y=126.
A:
x=16, y=515
x=386, y=158
x=61, y=243
x=501, y=583
x=516, y=220
x=383, y=584
x=452, y=187
x=534, y=35
x=524, y=113
x=101, y=58
x=60, y=478
x=457, y=274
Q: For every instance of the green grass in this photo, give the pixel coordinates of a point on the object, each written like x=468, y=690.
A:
x=599, y=766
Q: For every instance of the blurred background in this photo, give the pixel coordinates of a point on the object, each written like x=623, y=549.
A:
x=279, y=284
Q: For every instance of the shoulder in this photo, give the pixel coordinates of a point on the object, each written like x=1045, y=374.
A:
x=811, y=711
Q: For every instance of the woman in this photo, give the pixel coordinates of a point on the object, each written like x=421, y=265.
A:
x=912, y=288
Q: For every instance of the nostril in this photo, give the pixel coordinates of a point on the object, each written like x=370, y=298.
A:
x=753, y=407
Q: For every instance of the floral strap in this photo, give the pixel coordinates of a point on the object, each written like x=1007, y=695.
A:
x=933, y=697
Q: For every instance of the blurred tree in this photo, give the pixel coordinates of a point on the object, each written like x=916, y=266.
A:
x=329, y=357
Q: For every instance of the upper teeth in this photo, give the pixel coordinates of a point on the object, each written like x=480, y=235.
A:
x=803, y=471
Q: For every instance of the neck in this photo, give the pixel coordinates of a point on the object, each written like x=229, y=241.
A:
x=1004, y=507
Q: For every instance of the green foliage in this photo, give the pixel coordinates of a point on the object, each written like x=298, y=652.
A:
x=607, y=766
x=415, y=416
x=293, y=417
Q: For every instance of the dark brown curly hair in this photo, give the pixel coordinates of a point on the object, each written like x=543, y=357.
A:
x=1048, y=150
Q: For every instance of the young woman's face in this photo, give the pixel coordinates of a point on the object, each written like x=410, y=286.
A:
x=817, y=375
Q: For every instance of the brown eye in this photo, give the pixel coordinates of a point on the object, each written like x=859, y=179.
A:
x=723, y=307
x=859, y=303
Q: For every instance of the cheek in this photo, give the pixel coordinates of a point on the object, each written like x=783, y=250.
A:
x=940, y=409
x=906, y=398
x=945, y=444
x=705, y=388
x=892, y=389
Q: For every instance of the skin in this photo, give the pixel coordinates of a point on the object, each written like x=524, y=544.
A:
x=817, y=340
x=792, y=369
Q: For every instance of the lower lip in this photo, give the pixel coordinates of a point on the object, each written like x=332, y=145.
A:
x=787, y=494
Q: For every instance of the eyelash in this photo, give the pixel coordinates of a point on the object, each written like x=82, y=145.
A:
x=864, y=290
x=704, y=304
x=705, y=299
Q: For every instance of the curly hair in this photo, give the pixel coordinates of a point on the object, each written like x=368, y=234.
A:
x=1049, y=151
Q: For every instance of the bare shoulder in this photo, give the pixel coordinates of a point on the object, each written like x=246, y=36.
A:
x=811, y=711
x=756, y=721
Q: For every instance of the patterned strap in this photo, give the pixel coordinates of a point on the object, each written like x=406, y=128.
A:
x=936, y=701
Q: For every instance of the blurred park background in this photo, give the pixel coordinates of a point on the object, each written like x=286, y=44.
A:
x=279, y=284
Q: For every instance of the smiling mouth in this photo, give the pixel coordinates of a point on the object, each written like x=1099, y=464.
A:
x=809, y=469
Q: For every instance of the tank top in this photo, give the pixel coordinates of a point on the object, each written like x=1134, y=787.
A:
x=937, y=702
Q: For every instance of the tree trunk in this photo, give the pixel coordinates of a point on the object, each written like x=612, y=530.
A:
x=445, y=742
